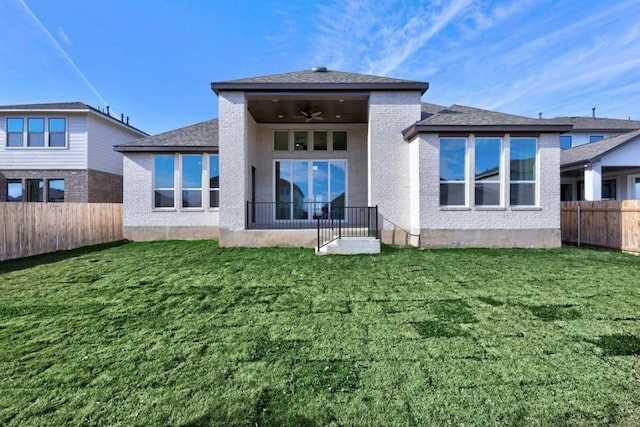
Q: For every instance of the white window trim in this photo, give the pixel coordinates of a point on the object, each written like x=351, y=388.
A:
x=25, y=133
x=177, y=184
x=631, y=187
x=468, y=161
x=535, y=181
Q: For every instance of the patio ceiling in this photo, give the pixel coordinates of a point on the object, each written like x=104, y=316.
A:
x=286, y=107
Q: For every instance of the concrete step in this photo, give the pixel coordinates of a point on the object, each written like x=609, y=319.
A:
x=351, y=246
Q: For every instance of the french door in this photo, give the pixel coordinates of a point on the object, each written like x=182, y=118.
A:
x=310, y=189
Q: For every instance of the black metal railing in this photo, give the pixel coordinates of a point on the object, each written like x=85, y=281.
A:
x=356, y=221
x=332, y=221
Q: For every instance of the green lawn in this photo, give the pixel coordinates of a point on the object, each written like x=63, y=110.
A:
x=187, y=333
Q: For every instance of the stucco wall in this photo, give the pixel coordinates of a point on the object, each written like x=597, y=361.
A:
x=142, y=222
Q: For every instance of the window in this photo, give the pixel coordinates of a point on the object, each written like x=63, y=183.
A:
x=214, y=181
x=523, y=171
x=35, y=136
x=310, y=189
x=565, y=142
x=594, y=138
x=55, y=190
x=14, y=190
x=35, y=190
x=452, y=171
x=163, y=180
x=281, y=140
x=15, y=132
x=300, y=140
x=487, y=172
x=57, y=132
x=339, y=140
x=566, y=192
x=191, y=180
x=609, y=189
x=320, y=140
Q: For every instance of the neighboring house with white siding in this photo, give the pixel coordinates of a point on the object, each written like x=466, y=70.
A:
x=300, y=149
x=61, y=152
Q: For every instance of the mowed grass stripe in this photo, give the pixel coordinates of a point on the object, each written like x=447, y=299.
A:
x=188, y=333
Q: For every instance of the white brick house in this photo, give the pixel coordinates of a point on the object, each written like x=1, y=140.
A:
x=294, y=149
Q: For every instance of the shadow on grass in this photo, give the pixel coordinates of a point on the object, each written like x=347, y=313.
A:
x=618, y=345
x=33, y=261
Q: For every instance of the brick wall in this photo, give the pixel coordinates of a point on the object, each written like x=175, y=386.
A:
x=104, y=187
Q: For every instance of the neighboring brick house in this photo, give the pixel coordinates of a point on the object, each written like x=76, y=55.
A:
x=61, y=152
x=290, y=148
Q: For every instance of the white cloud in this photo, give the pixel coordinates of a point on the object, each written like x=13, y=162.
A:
x=63, y=36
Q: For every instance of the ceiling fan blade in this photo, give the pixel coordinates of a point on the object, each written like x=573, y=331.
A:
x=317, y=118
x=305, y=113
x=316, y=114
x=308, y=119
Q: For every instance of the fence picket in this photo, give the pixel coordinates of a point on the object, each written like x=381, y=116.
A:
x=35, y=228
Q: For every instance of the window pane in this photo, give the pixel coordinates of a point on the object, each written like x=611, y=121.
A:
x=609, y=189
x=163, y=198
x=452, y=159
x=566, y=192
x=14, y=190
x=163, y=180
x=320, y=175
x=35, y=190
x=36, y=133
x=565, y=142
x=488, y=194
x=192, y=181
x=340, y=140
x=283, y=190
x=523, y=194
x=214, y=180
x=15, y=125
x=55, y=190
x=594, y=138
x=338, y=188
x=300, y=141
x=523, y=159
x=15, y=131
x=452, y=194
x=320, y=140
x=57, y=132
x=300, y=189
x=281, y=140
x=488, y=159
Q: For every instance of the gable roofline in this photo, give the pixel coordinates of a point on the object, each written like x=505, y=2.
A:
x=200, y=137
x=67, y=107
x=461, y=118
x=599, y=124
x=591, y=151
x=318, y=79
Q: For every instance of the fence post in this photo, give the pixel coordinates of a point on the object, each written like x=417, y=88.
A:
x=579, y=224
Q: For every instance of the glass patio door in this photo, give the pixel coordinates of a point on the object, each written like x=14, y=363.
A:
x=309, y=190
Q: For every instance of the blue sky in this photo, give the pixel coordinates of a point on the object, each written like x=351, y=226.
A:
x=154, y=60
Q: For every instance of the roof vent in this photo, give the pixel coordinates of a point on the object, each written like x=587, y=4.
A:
x=319, y=69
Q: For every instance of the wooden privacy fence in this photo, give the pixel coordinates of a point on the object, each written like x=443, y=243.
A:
x=611, y=224
x=34, y=228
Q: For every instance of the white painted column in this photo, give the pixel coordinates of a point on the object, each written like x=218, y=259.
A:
x=593, y=181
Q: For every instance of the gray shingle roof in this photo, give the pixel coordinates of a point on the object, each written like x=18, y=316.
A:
x=48, y=106
x=599, y=124
x=319, y=80
x=588, y=152
x=464, y=118
x=198, y=137
x=429, y=110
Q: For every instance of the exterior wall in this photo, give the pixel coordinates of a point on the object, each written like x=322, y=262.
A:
x=263, y=156
x=234, y=167
x=580, y=138
x=75, y=182
x=102, y=135
x=104, y=187
x=142, y=222
x=537, y=226
x=73, y=156
x=388, y=155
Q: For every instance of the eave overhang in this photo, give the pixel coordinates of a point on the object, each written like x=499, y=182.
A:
x=415, y=129
x=218, y=87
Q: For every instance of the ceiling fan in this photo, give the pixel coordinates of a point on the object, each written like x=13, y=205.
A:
x=309, y=115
